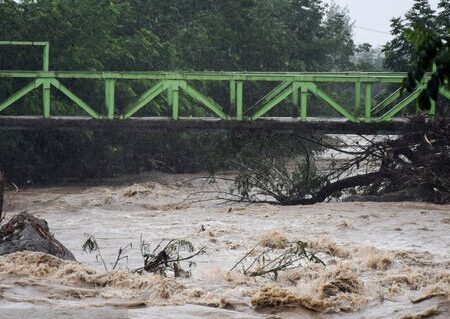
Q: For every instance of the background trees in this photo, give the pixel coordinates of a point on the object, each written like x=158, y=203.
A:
x=237, y=35
x=400, y=52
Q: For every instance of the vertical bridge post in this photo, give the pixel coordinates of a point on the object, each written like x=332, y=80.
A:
x=295, y=99
x=46, y=98
x=239, y=100
x=357, y=98
x=368, y=106
x=174, y=98
x=232, y=96
x=304, y=103
x=110, y=97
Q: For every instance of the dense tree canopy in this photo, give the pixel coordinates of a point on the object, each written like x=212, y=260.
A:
x=251, y=35
x=400, y=51
x=147, y=35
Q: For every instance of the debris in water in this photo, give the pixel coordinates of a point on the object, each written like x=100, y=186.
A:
x=26, y=232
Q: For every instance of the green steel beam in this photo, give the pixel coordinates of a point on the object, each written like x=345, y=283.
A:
x=271, y=104
x=110, y=97
x=46, y=98
x=174, y=99
x=45, y=45
x=79, y=102
x=19, y=94
x=295, y=99
x=146, y=98
x=368, y=104
x=280, y=88
x=321, y=94
x=397, y=108
x=239, y=100
x=215, y=76
x=206, y=101
x=387, y=101
x=304, y=103
x=357, y=97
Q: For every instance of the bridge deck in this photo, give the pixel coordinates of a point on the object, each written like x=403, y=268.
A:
x=317, y=125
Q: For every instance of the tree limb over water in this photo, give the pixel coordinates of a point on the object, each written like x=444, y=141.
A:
x=413, y=167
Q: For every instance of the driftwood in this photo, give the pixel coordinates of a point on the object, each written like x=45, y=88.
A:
x=26, y=232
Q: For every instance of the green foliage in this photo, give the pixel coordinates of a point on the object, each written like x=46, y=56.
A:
x=432, y=50
x=400, y=52
x=238, y=35
x=270, y=261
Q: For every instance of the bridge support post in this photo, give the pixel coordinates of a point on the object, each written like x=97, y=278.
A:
x=239, y=100
x=304, y=104
x=357, y=97
x=368, y=106
x=46, y=98
x=174, y=99
x=110, y=97
x=295, y=99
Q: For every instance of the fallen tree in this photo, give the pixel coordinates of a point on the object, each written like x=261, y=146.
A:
x=412, y=167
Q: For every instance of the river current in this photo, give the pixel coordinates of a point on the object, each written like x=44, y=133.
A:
x=394, y=256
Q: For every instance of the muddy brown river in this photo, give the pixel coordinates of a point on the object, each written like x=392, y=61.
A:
x=395, y=256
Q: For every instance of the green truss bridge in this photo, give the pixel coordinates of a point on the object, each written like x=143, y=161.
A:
x=347, y=102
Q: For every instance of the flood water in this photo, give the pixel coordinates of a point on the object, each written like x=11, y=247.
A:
x=395, y=256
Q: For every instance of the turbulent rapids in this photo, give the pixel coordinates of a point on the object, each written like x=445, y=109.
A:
x=381, y=260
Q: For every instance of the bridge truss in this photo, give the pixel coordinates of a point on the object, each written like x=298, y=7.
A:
x=294, y=87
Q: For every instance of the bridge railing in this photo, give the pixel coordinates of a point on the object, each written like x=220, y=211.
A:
x=295, y=87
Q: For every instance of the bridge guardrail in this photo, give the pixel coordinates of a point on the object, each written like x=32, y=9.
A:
x=294, y=86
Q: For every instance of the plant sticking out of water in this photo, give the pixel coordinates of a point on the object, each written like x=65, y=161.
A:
x=169, y=257
x=91, y=245
x=270, y=261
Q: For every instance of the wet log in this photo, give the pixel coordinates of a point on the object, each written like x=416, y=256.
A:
x=412, y=194
x=27, y=232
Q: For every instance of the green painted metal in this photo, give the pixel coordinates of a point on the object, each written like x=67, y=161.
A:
x=146, y=98
x=357, y=97
x=387, y=101
x=78, y=101
x=271, y=104
x=110, y=97
x=321, y=94
x=304, y=103
x=46, y=98
x=400, y=106
x=45, y=45
x=239, y=100
x=295, y=99
x=277, y=90
x=174, y=93
x=206, y=101
x=368, y=105
x=288, y=84
x=19, y=94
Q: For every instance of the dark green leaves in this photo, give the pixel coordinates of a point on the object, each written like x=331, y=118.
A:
x=432, y=54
